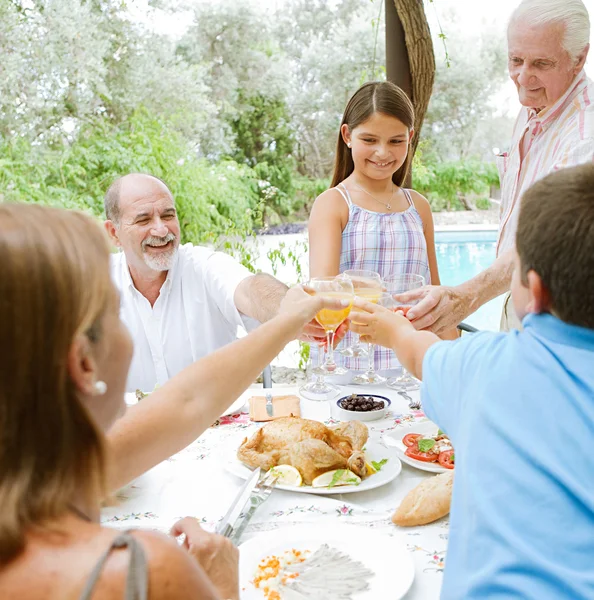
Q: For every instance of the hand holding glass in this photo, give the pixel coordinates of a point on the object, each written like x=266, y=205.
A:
x=399, y=284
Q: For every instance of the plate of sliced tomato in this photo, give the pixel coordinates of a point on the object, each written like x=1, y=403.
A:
x=424, y=447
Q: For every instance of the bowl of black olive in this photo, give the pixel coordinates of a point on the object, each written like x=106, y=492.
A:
x=362, y=407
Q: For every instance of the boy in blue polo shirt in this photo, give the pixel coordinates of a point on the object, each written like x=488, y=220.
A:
x=519, y=409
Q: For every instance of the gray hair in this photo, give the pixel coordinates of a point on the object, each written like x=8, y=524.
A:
x=111, y=202
x=570, y=13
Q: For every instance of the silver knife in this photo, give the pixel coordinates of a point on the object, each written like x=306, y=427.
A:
x=269, y=407
x=226, y=526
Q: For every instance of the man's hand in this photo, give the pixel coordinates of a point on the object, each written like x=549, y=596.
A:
x=439, y=308
x=314, y=333
x=217, y=556
x=378, y=325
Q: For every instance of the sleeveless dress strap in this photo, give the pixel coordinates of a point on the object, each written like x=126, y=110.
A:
x=345, y=194
x=408, y=196
x=137, y=578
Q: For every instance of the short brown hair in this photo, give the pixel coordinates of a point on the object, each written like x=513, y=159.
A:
x=54, y=287
x=555, y=238
x=373, y=97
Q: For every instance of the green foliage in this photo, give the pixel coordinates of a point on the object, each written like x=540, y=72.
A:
x=211, y=199
x=264, y=140
x=450, y=185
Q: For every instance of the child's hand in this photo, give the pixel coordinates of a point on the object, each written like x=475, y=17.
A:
x=378, y=325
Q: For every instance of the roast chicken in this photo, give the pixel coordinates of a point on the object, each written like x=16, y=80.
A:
x=309, y=446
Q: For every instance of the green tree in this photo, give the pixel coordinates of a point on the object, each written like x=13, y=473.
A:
x=459, y=121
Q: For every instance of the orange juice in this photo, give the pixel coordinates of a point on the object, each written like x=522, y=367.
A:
x=331, y=319
x=368, y=294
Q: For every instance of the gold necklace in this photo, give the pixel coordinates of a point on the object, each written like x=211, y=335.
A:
x=387, y=205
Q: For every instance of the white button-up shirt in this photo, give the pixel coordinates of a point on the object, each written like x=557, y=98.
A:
x=194, y=314
x=556, y=138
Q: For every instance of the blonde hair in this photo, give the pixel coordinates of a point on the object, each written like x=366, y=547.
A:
x=54, y=287
x=572, y=14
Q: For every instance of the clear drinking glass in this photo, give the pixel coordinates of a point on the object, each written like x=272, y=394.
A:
x=368, y=285
x=319, y=389
x=399, y=284
x=332, y=287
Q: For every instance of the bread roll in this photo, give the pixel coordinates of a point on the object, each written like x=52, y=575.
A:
x=426, y=503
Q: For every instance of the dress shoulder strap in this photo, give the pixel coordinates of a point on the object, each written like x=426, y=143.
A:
x=408, y=196
x=344, y=193
x=137, y=579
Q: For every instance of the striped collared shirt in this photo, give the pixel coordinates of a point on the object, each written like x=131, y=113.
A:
x=558, y=137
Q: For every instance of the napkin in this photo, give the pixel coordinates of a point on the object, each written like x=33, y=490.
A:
x=283, y=406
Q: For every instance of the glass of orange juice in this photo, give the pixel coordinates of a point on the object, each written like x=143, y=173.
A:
x=332, y=287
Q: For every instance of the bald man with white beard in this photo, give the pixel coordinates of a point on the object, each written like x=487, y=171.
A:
x=180, y=302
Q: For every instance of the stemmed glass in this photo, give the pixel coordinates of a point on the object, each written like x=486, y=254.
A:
x=332, y=287
x=399, y=284
x=319, y=389
x=367, y=285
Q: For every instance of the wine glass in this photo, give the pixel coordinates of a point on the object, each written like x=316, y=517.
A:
x=367, y=285
x=399, y=284
x=319, y=389
x=332, y=287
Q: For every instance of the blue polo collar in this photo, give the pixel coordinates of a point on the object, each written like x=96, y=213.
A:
x=552, y=328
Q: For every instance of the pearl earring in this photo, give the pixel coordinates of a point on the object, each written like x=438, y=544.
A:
x=100, y=388
x=349, y=144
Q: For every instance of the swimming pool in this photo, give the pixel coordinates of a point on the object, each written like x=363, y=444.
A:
x=462, y=255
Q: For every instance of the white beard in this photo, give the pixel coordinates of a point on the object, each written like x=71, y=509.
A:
x=164, y=261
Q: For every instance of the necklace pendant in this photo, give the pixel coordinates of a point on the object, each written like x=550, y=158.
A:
x=389, y=206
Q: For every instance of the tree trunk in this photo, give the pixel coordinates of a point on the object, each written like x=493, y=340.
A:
x=409, y=20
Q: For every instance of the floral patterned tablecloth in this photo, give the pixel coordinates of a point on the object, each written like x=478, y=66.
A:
x=196, y=483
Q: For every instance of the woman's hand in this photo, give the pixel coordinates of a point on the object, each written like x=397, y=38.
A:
x=379, y=325
x=301, y=302
x=215, y=554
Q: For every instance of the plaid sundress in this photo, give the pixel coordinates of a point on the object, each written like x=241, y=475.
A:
x=389, y=244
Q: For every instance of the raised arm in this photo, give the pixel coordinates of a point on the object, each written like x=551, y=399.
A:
x=441, y=307
x=385, y=328
x=259, y=296
x=176, y=414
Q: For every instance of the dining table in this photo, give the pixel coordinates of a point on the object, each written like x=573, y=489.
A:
x=199, y=482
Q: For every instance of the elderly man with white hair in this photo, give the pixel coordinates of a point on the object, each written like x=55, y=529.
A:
x=548, y=42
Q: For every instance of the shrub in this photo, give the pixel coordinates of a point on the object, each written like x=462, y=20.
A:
x=450, y=185
x=211, y=199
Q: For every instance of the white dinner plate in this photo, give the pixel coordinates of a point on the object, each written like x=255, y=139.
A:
x=374, y=451
x=394, y=440
x=386, y=556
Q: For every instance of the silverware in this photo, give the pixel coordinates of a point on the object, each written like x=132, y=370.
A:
x=412, y=404
x=269, y=406
x=226, y=526
x=259, y=495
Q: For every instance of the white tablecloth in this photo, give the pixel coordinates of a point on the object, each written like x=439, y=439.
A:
x=196, y=483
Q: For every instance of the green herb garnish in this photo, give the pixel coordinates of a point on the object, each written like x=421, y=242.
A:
x=336, y=477
x=378, y=465
x=425, y=445
x=440, y=432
